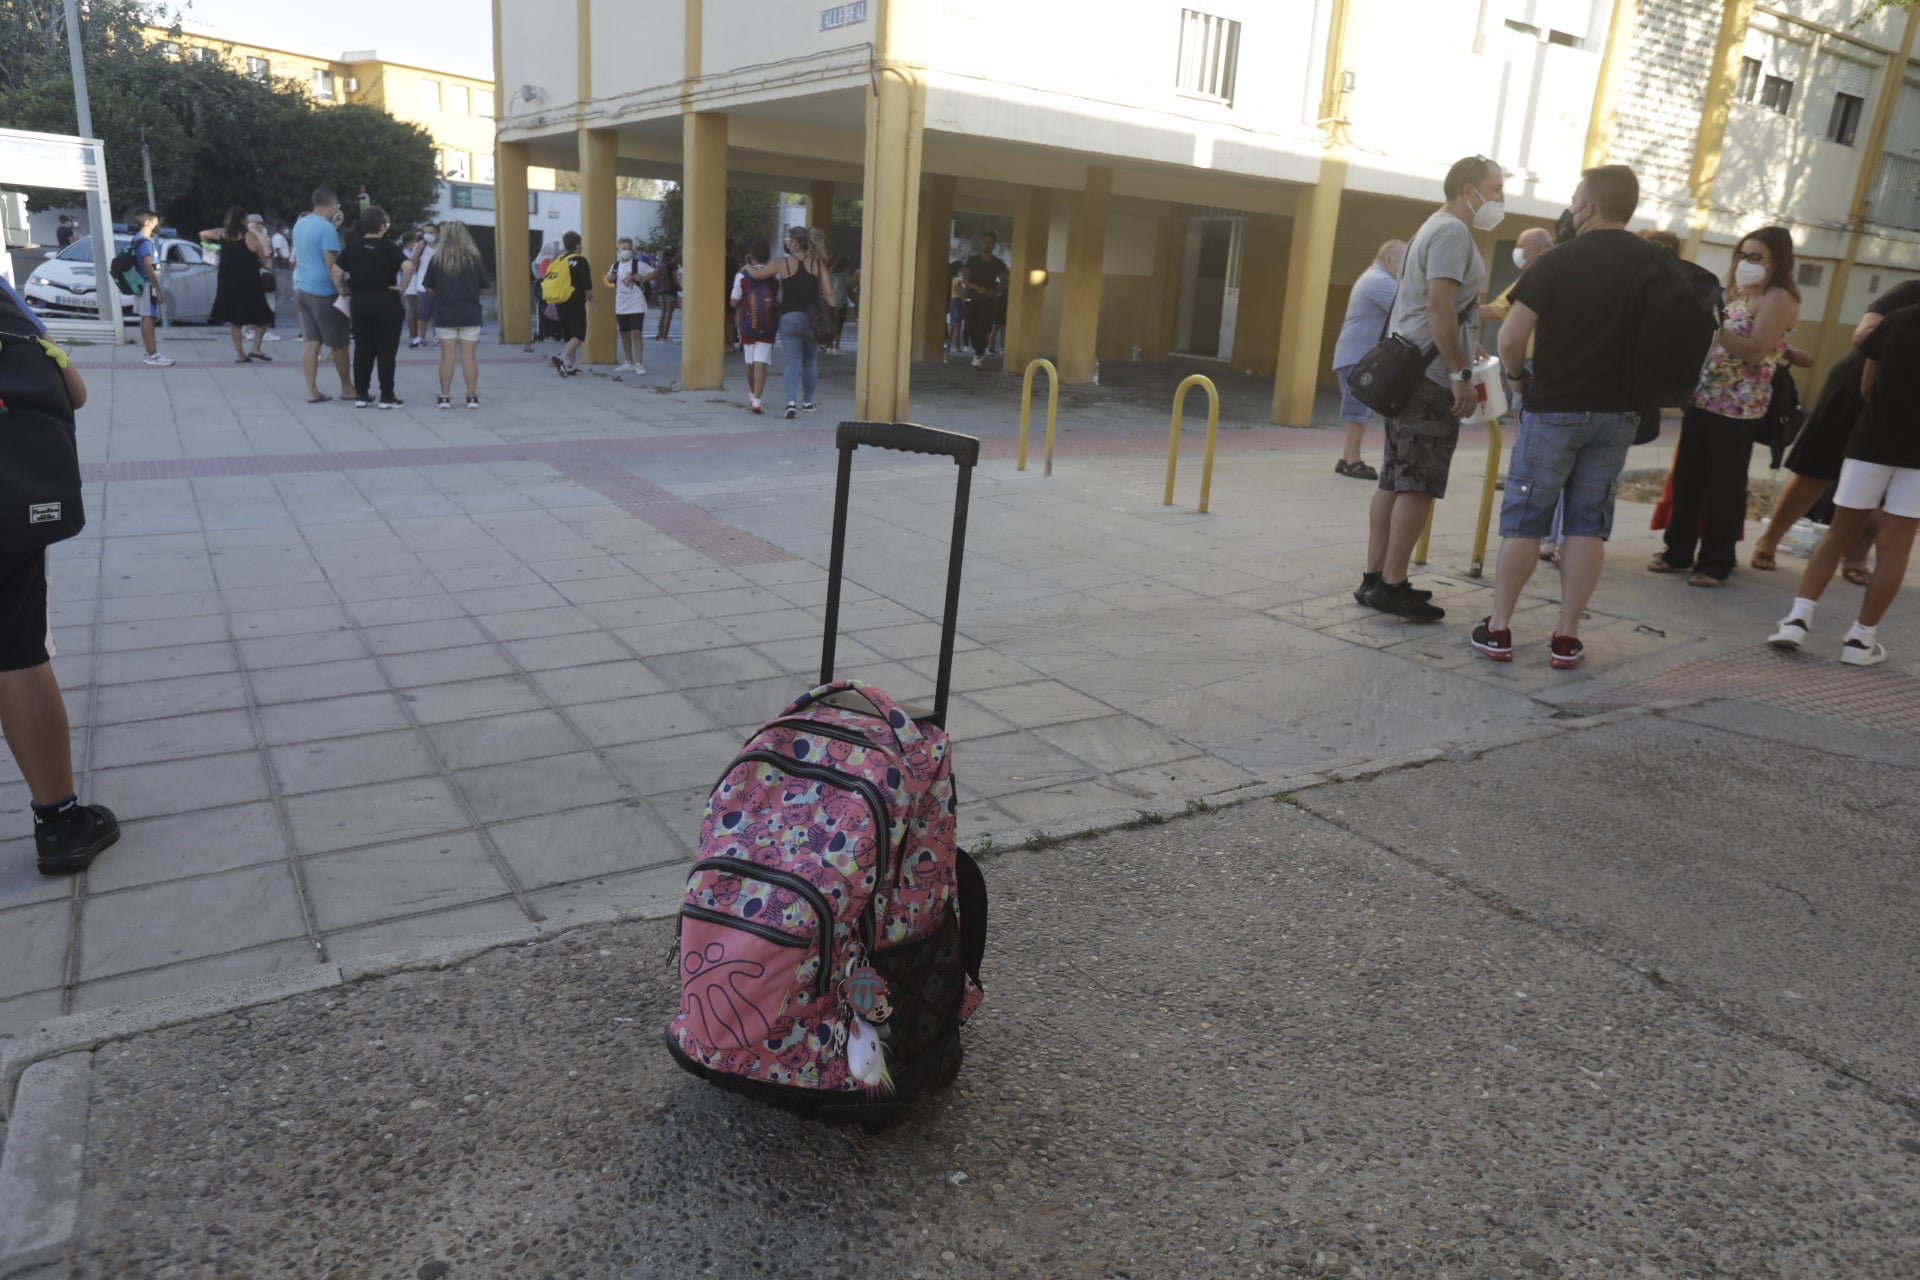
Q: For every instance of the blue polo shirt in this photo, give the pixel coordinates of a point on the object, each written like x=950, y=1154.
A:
x=313, y=239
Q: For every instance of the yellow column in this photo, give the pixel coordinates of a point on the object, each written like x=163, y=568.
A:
x=890, y=192
x=1835, y=333
x=703, y=246
x=1086, y=261
x=933, y=240
x=599, y=150
x=1026, y=301
x=1734, y=16
x=820, y=209
x=1303, y=320
x=512, y=260
x=1606, y=91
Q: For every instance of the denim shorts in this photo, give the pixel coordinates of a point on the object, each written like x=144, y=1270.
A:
x=1579, y=455
x=1351, y=410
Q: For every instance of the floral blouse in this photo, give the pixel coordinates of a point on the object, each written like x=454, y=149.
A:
x=1730, y=386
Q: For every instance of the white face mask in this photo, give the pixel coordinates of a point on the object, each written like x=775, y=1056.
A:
x=1489, y=215
x=1519, y=257
x=1749, y=274
x=430, y=237
x=626, y=255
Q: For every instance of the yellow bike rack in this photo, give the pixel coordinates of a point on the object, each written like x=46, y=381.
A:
x=1213, y=431
x=1026, y=409
x=1426, y=536
x=1486, y=499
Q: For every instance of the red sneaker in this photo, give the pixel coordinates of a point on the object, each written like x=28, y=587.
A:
x=1497, y=645
x=1565, y=652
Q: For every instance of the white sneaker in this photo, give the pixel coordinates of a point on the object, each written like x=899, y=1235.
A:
x=1858, y=653
x=1789, y=634
x=272, y=336
x=639, y=371
x=978, y=363
x=157, y=360
x=623, y=368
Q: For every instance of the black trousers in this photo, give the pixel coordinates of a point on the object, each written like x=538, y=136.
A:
x=378, y=323
x=1709, y=491
x=978, y=313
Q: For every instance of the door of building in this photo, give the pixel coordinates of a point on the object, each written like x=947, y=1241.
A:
x=1210, y=298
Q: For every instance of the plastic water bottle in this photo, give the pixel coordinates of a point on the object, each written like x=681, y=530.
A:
x=1096, y=373
x=1802, y=538
x=1136, y=353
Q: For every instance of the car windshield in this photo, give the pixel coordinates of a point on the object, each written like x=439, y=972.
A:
x=81, y=250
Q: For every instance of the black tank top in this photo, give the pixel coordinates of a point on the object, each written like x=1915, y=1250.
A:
x=800, y=290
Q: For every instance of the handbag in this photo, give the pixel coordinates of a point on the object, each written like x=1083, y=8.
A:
x=1386, y=377
x=39, y=461
x=267, y=283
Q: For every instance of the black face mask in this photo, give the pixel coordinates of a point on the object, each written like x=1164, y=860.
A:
x=1564, y=230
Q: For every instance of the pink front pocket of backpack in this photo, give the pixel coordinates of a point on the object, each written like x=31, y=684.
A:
x=735, y=983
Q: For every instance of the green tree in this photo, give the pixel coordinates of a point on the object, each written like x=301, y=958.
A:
x=750, y=217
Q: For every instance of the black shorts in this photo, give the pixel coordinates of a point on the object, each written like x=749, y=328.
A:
x=573, y=319
x=23, y=610
x=631, y=322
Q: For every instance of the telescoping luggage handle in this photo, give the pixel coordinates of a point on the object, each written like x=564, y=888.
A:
x=906, y=437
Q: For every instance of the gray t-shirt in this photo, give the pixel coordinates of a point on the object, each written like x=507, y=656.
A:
x=1443, y=249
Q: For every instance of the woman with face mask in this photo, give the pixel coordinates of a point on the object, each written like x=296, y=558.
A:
x=1717, y=431
x=420, y=304
x=626, y=275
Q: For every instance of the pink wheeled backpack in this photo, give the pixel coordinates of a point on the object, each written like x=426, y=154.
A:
x=832, y=931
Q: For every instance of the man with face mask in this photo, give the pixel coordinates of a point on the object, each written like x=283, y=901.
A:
x=1581, y=411
x=1440, y=284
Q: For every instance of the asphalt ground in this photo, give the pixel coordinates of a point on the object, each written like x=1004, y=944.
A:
x=1256, y=1041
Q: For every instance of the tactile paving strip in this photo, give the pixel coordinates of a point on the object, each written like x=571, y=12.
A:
x=1816, y=684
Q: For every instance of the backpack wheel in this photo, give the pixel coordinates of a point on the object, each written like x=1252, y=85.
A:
x=871, y=1127
x=950, y=1069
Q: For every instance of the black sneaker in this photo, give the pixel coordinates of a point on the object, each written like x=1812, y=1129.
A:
x=473, y=402
x=72, y=841
x=808, y=407
x=1497, y=645
x=1403, y=601
x=395, y=403
x=1368, y=581
x=361, y=402
x=559, y=365
x=792, y=408
x=442, y=402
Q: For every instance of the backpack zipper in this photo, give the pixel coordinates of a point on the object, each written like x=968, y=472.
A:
x=740, y=868
x=875, y=799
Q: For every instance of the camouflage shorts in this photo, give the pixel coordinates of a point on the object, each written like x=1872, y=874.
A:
x=1420, y=443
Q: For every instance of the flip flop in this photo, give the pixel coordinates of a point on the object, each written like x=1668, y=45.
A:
x=259, y=355
x=1763, y=558
x=1660, y=564
x=322, y=398
x=241, y=360
x=1705, y=580
x=1856, y=575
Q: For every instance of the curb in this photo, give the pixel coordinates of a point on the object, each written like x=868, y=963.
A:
x=40, y=1175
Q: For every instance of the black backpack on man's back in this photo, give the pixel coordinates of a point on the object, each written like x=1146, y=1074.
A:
x=1680, y=308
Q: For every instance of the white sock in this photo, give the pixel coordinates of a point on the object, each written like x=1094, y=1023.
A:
x=1802, y=611
x=1862, y=632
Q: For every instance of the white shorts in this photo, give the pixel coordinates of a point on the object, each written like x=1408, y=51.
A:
x=1865, y=486
x=465, y=333
x=758, y=352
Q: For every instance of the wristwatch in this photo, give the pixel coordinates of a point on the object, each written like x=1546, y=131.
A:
x=1465, y=375
x=1521, y=376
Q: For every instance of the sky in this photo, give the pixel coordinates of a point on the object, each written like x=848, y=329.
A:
x=456, y=33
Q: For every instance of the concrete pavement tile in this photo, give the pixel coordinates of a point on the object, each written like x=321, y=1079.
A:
x=1113, y=744
x=979, y=819
x=709, y=667
x=415, y=931
x=323, y=821
x=875, y=614
x=180, y=920
x=599, y=682
x=115, y=584
x=967, y=720
x=306, y=649
x=21, y=883
x=780, y=624
x=723, y=604
x=485, y=577
x=784, y=571
x=288, y=596
x=801, y=654
x=1119, y=683
x=444, y=666
x=902, y=683
x=732, y=705
x=79, y=640
x=426, y=607
x=682, y=812
x=1196, y=775
x=537, y=622
x=655, y=891
x=500, y=793
x=73, y=670
x=33, y=947
x=1042, y=702
x=286, y=622
x=22, y=1014
x=915, y=640
x=172, y=738
x=679, y=582
x=351, y=762
x=342, y=717
x=417, y=637
x=644, y=611
x=192, y=975
x=544, y=653
x=321, y=680
x=116, y=704
x=978, y=670
x=658, y=639
x=398, y=587
x=164, y=664
x=1013, y=762
x=185, y=605
x=180, y=786
x=527, y=735
x=581, y=568
x=471, y=699
x=511, y=599
x=365, y=885
x=627, y=586
x=564, y=847
x=158, y=633
x=1068, y=800
x=662, y=765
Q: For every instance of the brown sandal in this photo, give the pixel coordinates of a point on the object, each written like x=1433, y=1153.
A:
x=1858, y=576
x=1660, y=564
x=1705, y=580
x=1763, y=554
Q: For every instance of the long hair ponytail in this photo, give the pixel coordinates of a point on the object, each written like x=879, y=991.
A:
x=456, y=251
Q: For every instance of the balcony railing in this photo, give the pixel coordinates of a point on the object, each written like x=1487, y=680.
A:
x=1895, y=201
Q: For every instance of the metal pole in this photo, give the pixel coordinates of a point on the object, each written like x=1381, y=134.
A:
x=81, y=108
x=102, y=229
x=153, y=203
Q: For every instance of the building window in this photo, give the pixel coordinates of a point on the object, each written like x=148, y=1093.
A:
x=456, y=99
x=1776, y=94
x=483, y=169
x=1749, y=83
x=323, y=84
x=1209, y=56
x=259, y=69
x=456, y=166
x=1810, y=274
x=1844, y=122
x=483, y=103
x=429, y=95
x=200, y=53
x=170, y=48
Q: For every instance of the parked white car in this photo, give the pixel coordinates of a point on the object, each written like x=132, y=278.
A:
x=63, y=285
